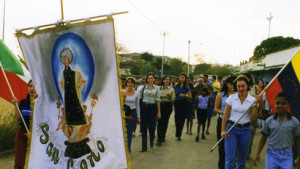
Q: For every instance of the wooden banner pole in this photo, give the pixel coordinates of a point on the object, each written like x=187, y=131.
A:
x=74, y=21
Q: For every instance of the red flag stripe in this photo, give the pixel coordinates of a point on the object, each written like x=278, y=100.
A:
x=18, y=86
x=271, y=93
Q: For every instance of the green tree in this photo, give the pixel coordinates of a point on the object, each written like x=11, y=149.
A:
x=141, y=67
x=176, y=66
x=157, y=63
x=148, y=57
x=274, y=44
x=201, y=68
x=222, y=71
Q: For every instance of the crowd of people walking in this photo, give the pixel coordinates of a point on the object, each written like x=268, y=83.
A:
x=240, y=104
x=227, y=98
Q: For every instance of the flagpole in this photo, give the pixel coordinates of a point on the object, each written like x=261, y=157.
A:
x=5, y=73
x=3, y=21
x=212, y=149
x=62, y=9
x=16, y=104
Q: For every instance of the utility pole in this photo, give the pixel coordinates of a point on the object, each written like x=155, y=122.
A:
x=269, y=19
x=189, y=48
x=163, y=54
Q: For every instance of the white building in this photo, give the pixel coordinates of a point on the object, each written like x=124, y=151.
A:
x=266, y=68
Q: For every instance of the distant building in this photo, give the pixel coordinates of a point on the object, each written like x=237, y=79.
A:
x=266, y=68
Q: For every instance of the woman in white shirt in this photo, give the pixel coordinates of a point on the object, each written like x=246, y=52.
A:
x=133, y=101
x=226, y=91
x=239, y=138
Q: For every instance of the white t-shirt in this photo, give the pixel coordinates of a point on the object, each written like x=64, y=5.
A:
x=134, y=102
x=237, y=109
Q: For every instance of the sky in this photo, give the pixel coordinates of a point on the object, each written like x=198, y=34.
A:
x=221, y=32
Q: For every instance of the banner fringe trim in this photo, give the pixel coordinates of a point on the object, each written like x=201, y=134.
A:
x=122, y=103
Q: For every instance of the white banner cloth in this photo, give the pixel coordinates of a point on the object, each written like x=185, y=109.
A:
x=77, y=121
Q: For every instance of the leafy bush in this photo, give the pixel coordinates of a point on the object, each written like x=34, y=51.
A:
x=8, y=126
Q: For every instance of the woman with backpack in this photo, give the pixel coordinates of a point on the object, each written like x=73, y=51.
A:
x=150, y=109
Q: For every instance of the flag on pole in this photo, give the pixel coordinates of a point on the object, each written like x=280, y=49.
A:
x=77, y=120
x=17, y=75
x=288, y=81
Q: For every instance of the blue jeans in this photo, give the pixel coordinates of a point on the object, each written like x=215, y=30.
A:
x=131, y=125
x=259, y=123
x=279, y=159
x=238, y=142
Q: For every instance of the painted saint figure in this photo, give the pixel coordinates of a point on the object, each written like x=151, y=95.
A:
x=71, y=86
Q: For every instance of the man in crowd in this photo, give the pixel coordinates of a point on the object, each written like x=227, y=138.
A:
x=207, y=82
x=216, y=86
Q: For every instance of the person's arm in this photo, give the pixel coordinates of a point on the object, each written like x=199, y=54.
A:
x=17, y=114
x=157, y=99
x=129, y=117
x=196, y=103
x=254, y=110
x=189, y=96
x=137, y=107
x=218, y=104
x=208, y=104
x=172, y=95
x=158, y=110
x=261, y=145
x=225, y=119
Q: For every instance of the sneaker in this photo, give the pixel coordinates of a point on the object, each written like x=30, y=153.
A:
x=207, y=132
x=203, y=137
x=187, y=132
x=133, y=135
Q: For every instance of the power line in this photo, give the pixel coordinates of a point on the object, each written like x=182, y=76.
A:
x=148, y=18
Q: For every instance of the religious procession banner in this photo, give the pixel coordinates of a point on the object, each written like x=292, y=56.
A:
x=77, y=120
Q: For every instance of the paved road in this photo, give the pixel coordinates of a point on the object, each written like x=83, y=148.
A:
x=184, y=154
x=173, y=154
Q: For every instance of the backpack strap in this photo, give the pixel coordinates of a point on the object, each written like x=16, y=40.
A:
x=143, y=92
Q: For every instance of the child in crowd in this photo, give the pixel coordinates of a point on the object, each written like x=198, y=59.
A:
x=128, y=115
x=202, y=101
x=210, y=107
x=281, y=129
